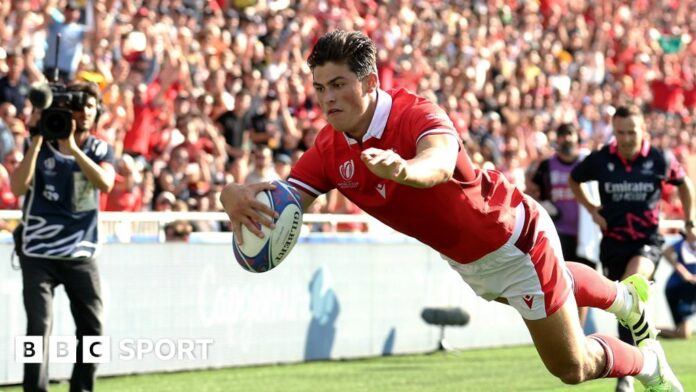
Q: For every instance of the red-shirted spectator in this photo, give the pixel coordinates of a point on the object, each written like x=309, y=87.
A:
x=126, y=194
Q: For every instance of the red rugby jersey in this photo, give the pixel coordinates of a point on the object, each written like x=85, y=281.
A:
x=462, y=220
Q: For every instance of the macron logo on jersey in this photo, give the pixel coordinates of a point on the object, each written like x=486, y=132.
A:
x=382, y=190
x=529, y=300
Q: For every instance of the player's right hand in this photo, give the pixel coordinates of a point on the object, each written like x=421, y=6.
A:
x=240, y=204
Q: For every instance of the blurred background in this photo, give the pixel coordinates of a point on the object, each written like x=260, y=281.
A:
x=202, y=93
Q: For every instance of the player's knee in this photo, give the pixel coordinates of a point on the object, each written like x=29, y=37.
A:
x=569, y=372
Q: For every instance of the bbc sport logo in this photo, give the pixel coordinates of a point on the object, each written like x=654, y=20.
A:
x=98, y=349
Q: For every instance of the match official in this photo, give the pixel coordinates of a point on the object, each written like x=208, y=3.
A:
x=630, y=173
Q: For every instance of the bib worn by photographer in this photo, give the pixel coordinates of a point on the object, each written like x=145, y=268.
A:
x=60, y=208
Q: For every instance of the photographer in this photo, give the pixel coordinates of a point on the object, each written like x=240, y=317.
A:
x=57, y=241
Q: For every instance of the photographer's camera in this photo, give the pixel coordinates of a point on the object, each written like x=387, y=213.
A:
x=57, y=104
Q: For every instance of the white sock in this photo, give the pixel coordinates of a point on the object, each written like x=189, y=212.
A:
x=650, y=369
x=623, y=303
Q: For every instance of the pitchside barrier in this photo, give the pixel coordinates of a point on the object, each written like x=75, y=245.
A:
x=171, y=306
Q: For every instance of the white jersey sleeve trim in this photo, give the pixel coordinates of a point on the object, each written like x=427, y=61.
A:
x=444, y=131
x=305, y=187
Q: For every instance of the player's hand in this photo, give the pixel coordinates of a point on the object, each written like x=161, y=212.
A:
x=385, y=164
x=240, y=204
x=598, y=218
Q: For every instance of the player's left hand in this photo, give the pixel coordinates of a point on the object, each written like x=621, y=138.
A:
x=385, y=164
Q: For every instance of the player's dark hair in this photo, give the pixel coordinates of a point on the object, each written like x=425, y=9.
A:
x=341, y=47
x=625, y=111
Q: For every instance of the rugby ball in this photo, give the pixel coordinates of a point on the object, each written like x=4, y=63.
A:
x=263, y=254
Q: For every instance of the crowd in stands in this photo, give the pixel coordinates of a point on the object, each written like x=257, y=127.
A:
x=200, y=93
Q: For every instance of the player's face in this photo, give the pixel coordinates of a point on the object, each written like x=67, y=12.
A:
x=629, y=135
x=343, y=98
x=85, y=118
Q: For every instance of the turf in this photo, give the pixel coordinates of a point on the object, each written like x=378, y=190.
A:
x=504, y=369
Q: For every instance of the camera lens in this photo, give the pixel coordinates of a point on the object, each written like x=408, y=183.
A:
x=56, y=123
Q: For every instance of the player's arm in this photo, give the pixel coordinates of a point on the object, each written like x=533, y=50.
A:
x=306, y=199
x=434, y=163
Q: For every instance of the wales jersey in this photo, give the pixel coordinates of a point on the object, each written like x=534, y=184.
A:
x=464, y=218
x=60, y=208
x=630, y=190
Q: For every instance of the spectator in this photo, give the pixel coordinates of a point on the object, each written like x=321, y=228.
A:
x=236, y=124
x=262, y=166
x=14, y=86
x=126, y=194
x=72, y=34
x=178, y=231
x=165, y=201
x=177, y=176
x=282, y=163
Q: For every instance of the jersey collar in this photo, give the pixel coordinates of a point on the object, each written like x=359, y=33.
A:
x=644, y=148
x=379, y=119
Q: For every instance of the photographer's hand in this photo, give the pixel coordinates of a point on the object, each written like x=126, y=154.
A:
x=102, y=176
x=23, y=175
x=69, y=145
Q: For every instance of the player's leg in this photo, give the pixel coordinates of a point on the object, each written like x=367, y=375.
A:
x=555, y=328
x=38, y=289
x=569, y=246
x=641, y=264
x=575, y=358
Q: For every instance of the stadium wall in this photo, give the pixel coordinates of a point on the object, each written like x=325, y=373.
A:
x=333, y=297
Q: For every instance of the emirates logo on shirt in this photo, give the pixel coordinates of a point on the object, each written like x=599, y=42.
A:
x=347, y=169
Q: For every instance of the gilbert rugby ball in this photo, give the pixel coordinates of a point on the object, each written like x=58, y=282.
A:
x=264, y=254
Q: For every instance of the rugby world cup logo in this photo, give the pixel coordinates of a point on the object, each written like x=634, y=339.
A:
x=50, y=163
x=347, y=169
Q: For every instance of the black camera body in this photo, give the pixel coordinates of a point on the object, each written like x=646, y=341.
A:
x=58, y=104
